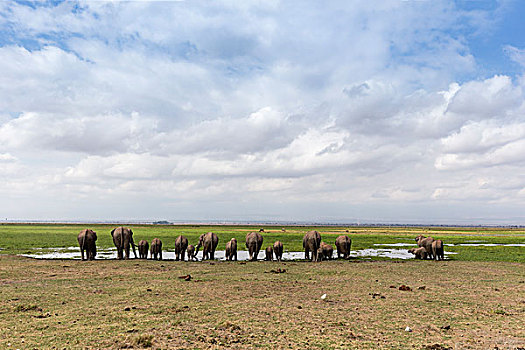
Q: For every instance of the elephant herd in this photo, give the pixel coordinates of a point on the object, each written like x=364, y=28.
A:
x=428, y=248
x=123, y=241
x=314, y=248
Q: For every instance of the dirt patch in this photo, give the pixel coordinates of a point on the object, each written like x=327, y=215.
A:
x=130, y=304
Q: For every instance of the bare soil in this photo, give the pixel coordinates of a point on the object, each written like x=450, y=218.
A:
x=247, y=305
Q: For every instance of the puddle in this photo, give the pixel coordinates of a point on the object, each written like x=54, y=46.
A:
x=242, y=255
x=487, y=245
x=397, y=244
x=111, y=253
x=471, y=244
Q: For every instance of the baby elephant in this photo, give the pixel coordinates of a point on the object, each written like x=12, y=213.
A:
x=420, y=253
x=437, y=250
x=86, y=240
x=231, y=250
x=143, y=249
x=191, y=252
x=278, y=250
x=326, y=250
x=156, y=249
x=269, y=253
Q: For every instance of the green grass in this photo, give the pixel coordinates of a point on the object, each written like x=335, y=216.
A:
x=29, y=238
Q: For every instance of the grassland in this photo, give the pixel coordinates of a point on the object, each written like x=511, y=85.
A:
x=24, y=238
x=137, y=304
x=476, y=300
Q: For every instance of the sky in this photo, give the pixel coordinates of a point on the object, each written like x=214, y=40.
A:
x=303, y=111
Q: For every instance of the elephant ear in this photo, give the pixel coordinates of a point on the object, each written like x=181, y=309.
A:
x=95, y=235
x=113, y=231
x=130, y=232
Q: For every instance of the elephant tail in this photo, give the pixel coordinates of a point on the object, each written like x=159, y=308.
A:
x=122, y=238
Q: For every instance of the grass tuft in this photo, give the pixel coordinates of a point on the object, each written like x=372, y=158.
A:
x=146, y=341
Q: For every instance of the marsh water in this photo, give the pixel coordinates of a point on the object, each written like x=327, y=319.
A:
x=242, y=255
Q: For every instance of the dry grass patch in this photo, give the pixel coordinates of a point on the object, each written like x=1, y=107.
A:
x=229, y=305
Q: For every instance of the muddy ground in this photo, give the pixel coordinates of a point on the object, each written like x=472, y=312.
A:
x=244, y=305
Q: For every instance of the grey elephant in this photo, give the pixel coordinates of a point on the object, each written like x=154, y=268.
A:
x=311, y=243
x=269, y=253
x=254, y=241
x=208, y=242
x=156, y=249
x=231, y=249
x=420, y=252
x=426, y=242
x=191, y=252
x=143, y=249
x=278, y=250
x=181, y=244
x=123, y=238
x=437, y=250
x=326, y=250
x=343, y=245
x=86, y=240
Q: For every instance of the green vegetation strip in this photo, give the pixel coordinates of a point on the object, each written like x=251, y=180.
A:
x=30, y=238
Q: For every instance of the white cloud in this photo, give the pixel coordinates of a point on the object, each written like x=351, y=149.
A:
x=515, y=54
x=234, y=104
x=490, y=98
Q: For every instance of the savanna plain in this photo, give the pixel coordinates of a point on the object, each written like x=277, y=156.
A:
x=473, y=300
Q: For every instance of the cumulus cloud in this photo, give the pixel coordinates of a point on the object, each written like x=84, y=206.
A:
x=255, y=106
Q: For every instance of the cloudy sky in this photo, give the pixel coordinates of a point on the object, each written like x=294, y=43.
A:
x=404, y=112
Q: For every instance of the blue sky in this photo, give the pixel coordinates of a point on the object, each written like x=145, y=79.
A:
x=406, y=111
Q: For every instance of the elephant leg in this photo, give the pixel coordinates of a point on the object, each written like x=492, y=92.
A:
x=182, y=254
x=82, y=253
x=160, y=255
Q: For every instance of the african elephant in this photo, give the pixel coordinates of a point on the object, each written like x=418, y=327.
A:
x=343, y=245
x=191, y=252
x=311, y=242
x=426, y=242
x=278, y=250
x=269, y=253
x=156, y=249
x=122, y=238
x=437, y=250
x=209, y=242
x=420, y=252
x=320, y=254
x=326, y=250
x=143, y=249
x=86, y=240
x=181, y=244
x=231, y=249
x=254, y=241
